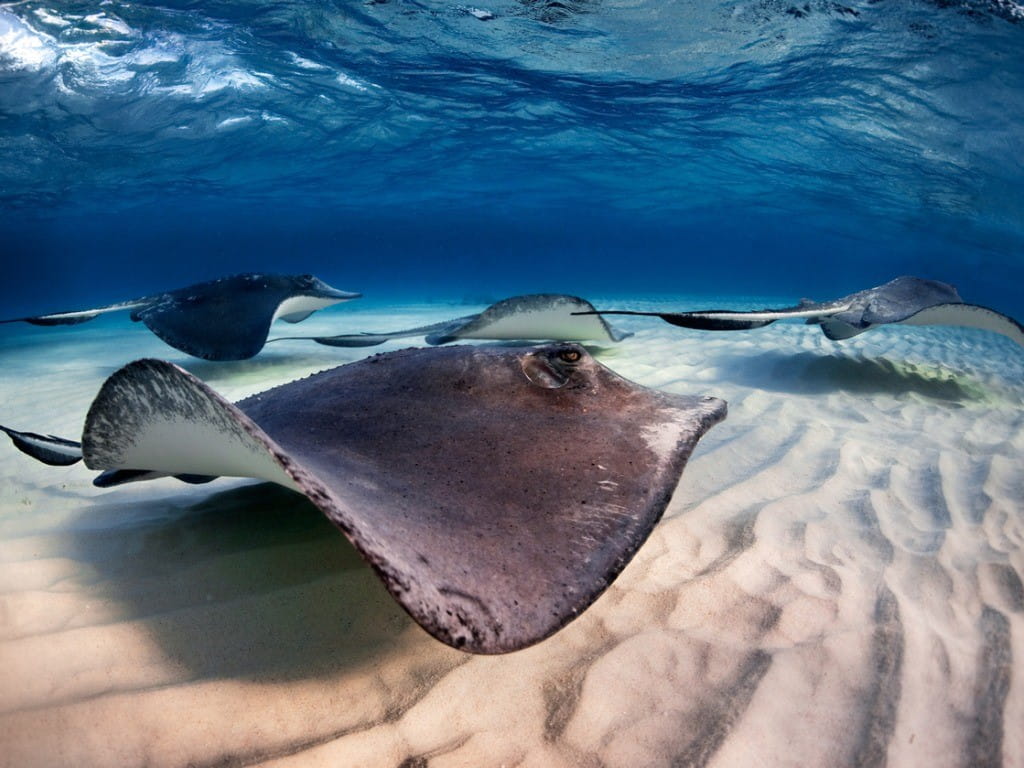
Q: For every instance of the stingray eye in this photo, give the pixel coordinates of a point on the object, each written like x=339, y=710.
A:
x=543, y=373
x=569, y=356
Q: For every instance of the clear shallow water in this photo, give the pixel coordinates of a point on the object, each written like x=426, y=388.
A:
x=424, y=148
x=712, y=152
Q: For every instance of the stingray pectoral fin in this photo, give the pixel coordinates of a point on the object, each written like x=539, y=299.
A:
x=969, y=316
x=372, y=339
x=716, y=321
x=113, y=477
x=351, y=340
x=500, y=505
x=55, y=451
x=152, y=415
x=60, y=318
x=354, y=340
x=495, y=502
x=728, y=320
x=617, y=334
x=701, y=321
x=78, y=316
x=212, y=328
x=838, y=330
x=296, y=317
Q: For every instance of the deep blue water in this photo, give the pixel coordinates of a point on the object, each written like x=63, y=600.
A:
x=419, y=149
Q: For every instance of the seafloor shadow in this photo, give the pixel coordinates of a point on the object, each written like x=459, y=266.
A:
x=813, y=373
x=251, y=582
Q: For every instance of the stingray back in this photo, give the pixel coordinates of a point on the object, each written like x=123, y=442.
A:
x=896, y=301
x=215, y=321
x=494, y=509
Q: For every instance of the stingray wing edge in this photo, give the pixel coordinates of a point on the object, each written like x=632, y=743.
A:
x=969, y=316
x=153, y=415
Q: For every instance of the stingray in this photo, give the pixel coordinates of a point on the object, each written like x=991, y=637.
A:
x=539, y=316
x=905, y=300
x=223, y=319
x=496, y=491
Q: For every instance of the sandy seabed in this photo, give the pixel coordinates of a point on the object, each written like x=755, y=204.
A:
x=836, y=582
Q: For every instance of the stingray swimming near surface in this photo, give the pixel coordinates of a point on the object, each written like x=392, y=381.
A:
x=223, y=319
x=497, y=492
x=905, y=300
x=539, y=316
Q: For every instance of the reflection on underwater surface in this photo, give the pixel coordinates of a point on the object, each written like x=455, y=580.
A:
x=417, y=149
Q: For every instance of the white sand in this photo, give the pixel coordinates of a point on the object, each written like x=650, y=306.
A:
x=836, y=582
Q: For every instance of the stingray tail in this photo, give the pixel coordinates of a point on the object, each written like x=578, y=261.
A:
x=49, y=449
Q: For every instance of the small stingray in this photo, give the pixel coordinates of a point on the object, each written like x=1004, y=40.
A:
x=497, y=492
x=223, y=319
x=540, y=316
x=905, y=300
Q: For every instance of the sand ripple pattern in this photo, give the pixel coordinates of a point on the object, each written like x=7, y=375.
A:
x=837, y=582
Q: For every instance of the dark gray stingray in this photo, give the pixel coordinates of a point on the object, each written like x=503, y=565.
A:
x=539, y=316
x=905, y=300
x=223, y=319
x=496, y=491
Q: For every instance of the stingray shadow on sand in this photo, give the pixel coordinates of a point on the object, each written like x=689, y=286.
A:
x=814, y=374
x=252, y=582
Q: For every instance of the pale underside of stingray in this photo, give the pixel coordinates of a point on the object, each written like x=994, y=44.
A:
x=223, y=319
x=497, y=492
x=905, y=301
x=541, y=317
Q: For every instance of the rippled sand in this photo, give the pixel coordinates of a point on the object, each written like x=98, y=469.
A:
x=837, y=581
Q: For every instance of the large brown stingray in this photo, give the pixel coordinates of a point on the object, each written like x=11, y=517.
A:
x=496, y=491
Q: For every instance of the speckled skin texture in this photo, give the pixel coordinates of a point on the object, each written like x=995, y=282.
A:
x=496, y=491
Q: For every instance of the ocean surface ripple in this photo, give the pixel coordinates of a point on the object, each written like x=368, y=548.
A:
x=675, y=95
x=895, y=116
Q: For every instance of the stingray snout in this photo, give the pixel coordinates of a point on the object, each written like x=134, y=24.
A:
x=337, y=293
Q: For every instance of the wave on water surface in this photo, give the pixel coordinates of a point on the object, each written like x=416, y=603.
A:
x=628, y=104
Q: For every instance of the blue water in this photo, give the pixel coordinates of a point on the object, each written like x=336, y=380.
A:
x=419, y=149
